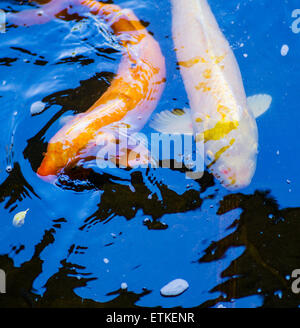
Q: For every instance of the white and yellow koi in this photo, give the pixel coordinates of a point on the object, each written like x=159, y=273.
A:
x=220, y=116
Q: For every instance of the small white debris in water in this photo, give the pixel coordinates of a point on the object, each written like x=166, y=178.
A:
x=175, y=288
x=131, y=187
x=288, y=181
x=37, y=107
x=19, y=218
x=3, y=82
x=278, y=153
x=245, y=55
x=106, y=261
x=9, y=168
x=221, y=306
x=124, y=285
x=113, y=235
x=284, y=50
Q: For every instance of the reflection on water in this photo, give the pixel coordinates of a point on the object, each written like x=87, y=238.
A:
x=15, y=188
x=150, y=226
x=269, y=235
x=270, y=238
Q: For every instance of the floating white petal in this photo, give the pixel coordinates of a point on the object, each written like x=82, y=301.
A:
x=19, y=218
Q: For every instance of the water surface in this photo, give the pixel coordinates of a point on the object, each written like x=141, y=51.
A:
x=81, y=241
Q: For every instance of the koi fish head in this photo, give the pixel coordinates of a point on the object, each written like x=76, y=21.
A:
x=236, y=176
x=54, y=161
x=234, y=164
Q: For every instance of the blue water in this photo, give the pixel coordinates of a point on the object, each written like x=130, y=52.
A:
x=77, y=247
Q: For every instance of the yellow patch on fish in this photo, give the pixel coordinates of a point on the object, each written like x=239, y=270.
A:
x=232, y=180
x=191, y=62
x=221, y=130
x=218, y=59
x=19, y=218
x=203, y=86
x=220, y=153
x=223, y=110
x=207, y=74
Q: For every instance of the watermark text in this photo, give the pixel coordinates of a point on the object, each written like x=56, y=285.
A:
x=2, y=21
x=296, y=22
x=2, y=282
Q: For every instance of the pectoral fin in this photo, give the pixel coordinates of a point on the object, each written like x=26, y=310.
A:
x=173, y=122
x=259, y=104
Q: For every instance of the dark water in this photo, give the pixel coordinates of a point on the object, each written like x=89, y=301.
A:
x=80, y=241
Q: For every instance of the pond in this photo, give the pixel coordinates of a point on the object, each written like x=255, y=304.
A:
x=85, y=238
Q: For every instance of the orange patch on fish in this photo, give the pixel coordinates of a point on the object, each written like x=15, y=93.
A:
x=223, y=110
x=207, y=74
x=203, y=86
x=218, y=59
x=192, y=62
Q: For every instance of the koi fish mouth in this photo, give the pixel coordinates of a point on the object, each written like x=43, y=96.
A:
x=239, y=178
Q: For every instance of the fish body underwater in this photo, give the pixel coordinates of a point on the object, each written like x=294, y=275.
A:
x=220, y=115
x=128, y=102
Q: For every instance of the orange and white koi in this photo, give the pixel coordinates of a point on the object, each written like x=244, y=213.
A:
x=131, y=97
x=220, y=116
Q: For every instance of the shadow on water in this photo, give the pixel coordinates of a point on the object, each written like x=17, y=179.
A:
x=270, y=237
x=268, y=233
x=15, y=188
x=59, y=288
